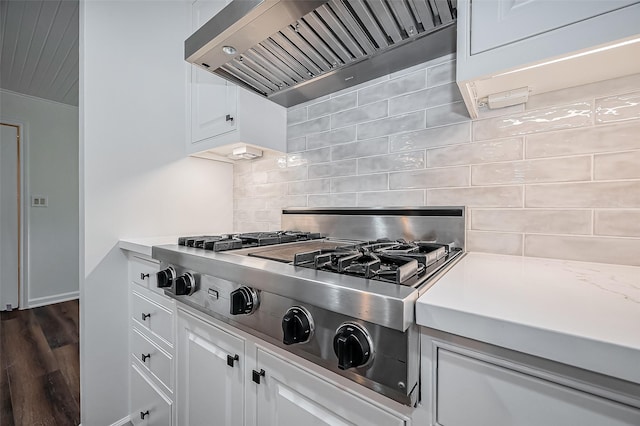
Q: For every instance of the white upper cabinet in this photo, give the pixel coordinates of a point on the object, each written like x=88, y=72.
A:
x=223, y=116
x=543, y=45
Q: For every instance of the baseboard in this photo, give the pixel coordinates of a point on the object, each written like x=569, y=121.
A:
x=48, y=300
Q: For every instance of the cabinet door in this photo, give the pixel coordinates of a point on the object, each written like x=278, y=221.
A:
x=473, y=392
x=290, y=396
x=210, y=385
x=213, y=99
x=149, y=406
x=499, y=22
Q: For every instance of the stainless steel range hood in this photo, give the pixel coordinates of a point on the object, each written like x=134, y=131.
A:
x=293, y=51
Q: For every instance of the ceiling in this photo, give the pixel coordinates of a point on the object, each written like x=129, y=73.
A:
x=39, y=48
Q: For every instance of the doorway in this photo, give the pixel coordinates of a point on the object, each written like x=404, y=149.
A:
x=10, y=217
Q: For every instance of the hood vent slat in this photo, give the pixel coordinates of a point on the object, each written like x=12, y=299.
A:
x=338, y=41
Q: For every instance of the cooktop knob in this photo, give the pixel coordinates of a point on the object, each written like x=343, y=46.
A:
x=352, y=345
x=166, y=277
x=244, y=301
x=185, y=285
x=297, y=326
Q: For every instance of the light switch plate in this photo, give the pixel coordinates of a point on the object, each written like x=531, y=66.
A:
x=39, y=201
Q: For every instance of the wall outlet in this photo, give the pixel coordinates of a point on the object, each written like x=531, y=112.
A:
x=39, y=201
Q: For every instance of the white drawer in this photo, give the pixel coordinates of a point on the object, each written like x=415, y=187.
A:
x=156, y=361
x=149, y=406
x=152, y=316
x=473, y=392
x=143, y=272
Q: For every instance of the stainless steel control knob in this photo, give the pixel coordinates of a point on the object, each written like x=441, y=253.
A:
x=244, y=301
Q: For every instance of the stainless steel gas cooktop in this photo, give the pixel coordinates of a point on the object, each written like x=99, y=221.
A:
x=338, y=288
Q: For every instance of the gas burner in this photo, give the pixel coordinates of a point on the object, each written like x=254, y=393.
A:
x=398, y=262
x=250, y=239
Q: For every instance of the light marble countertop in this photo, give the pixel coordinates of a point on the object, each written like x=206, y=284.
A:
x=143, y=245
x=577, y=313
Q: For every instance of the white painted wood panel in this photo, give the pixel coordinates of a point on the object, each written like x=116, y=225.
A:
x=210, y=391
x=149, y=406
x=472, y=392
x=9, y=217
x=152, y=316
x=40, y=49
x=155, y=361
x=500, y=22
x=290, y=396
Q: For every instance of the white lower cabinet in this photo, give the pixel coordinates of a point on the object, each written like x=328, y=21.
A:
x=289, y=396
x=470, y=383
x=151, y=346
x=227, y=378
x=210, y=374
x=473, y=392
x=149, y=405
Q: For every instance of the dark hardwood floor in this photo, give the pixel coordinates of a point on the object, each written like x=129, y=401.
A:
x=40, y=366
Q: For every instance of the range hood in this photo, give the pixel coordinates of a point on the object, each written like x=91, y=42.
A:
x=293, y=51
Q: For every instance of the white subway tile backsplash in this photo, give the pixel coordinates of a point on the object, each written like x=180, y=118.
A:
x=622, y=223
x=242, y=180
x=616, y=137
x=431, y=137
x=571, y=169
x=312, y=156
x=555, y=118
x=309, y=127
x=447, y=114
x=391, y=162
x=297, y=144
x=391, y=198
x=622, y=165
x=532, y=221
x=333, y=200
x=618, y=108
x=360, y=114
x=333, y=105
x=315, y=186
x=475, y=153
x=263, y=190
x=343, y=135
x=392, y=125
x=494, y=242
x=614, y=86
x=360, y=149
x=335, y=168
x=288, y=174
x=296, y=115
x=285, y=201
x=430, y=178
x=492, y=196
x=435, y=96
x=585, y=194
x=559, y=179
x=268, y=162
x=395, y=87
x=441, y=74
x=375, y=182
x=587, y=249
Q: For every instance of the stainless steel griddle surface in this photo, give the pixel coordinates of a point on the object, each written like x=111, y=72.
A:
x=286, y=253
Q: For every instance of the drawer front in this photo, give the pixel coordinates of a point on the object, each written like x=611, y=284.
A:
x=473, y=392
x=149, y=406
x=155, y=360
x=143, y=272
x=153, y=317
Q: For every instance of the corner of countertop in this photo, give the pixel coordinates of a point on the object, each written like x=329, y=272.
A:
x=143, y=245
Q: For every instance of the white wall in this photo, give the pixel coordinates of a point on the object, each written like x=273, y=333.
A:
x=136, y=181
x=51, y=147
